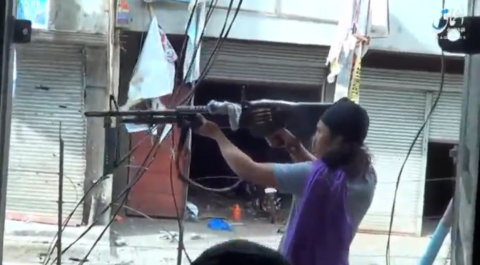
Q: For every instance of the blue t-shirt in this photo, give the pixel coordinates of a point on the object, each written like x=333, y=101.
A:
x=292, y=179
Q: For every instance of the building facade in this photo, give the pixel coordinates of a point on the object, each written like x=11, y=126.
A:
x=287, y=41
x=59, y=75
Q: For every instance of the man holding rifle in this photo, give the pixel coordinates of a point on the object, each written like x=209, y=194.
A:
x=333, y=187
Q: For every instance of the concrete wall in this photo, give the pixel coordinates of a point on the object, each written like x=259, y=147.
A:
x=96, y=98
x=88, y=16
x=304, y=21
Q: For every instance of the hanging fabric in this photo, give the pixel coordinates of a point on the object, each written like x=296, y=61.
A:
x=351, y=44
x=154, y=74
x=191, y=64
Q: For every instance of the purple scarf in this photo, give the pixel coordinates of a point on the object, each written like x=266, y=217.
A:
x=321, y=231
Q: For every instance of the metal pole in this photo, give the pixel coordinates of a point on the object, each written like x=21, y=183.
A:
x=6, y=23
x=60, y=197
x=441, y=232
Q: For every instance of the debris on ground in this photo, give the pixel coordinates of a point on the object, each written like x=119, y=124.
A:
x=196, y=237
x=119, y=242
x=169, y=235
x=192, y=212
x=219, y=224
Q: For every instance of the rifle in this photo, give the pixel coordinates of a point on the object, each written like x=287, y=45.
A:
x=261, y=117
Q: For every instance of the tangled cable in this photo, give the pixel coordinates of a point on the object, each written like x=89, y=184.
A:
x=187, y=100
x=145, y=164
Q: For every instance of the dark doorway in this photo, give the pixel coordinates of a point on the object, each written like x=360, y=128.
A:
x=439, y=184
x=207, y=164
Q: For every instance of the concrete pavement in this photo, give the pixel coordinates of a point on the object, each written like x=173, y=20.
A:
x=142, y=241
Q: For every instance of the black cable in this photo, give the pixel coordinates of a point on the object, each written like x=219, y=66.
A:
x=185, y=41
x=124, y=194
x=181, y=229
x=208, y=15
x=123, y=159
x=118, y=163
x=142, y=169
x=90, y=189
x=397, y=184
x=222, y=37
x=184, y=134
x=181, y=143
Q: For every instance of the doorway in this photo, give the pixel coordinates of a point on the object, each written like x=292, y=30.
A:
x=439, y=184
x=210, y=169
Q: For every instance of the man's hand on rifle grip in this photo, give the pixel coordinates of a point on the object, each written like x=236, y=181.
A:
x=283, y=139
x=207, y=128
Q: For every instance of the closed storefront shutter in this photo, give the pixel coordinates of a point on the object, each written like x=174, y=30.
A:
x=49, y=91
x=265, y=62
x=445, y=119
x=413, y=80
x=396, y=115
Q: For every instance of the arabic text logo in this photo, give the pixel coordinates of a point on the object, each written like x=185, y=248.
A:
x=451, y=22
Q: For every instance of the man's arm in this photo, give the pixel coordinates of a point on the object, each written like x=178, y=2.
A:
x=244, y=166
x=289, y=178
x=300, y=154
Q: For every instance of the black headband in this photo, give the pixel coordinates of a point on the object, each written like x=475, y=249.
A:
x=348, y=120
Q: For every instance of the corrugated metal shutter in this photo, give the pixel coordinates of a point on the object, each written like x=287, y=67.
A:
x=445, y=119
x=395, y=118
x=410, y=79
x=265, y=62
x=50, y=90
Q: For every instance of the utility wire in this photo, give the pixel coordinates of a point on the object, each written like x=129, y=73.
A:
x=124, y=194
x=188, y=97
x=105, y=176
x=180, y=216
x=397, y=184
x=90, y=189
x=175, y=157
x=173, y=102
x=222, y=37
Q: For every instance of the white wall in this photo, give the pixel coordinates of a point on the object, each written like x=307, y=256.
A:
x=305, y=21
x=87, y=16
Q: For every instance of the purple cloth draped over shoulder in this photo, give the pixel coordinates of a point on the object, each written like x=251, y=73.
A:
x=321, y=232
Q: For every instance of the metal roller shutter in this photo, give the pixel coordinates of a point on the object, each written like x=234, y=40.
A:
x=50, y=90
x=410, y=79
x=395, y=118
x=265, y=62
x=445, y=119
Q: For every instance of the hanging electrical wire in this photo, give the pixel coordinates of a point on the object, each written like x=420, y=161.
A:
x=94, y=185
x=149, y=159
x=420, y=130
x=177, y=154
x=222, y=36
x=183, y=136
x=209, y=13
x=180, y=214
x=124, y=194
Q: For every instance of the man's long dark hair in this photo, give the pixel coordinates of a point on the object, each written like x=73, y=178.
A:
x=351, y=157
x=348, y=124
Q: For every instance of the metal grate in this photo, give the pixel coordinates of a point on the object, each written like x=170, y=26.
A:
x=265, y=62
x=49, y=90
x=395, y=118
x=445, y=119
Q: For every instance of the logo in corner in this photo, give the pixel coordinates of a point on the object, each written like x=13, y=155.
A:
x=451, y=22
